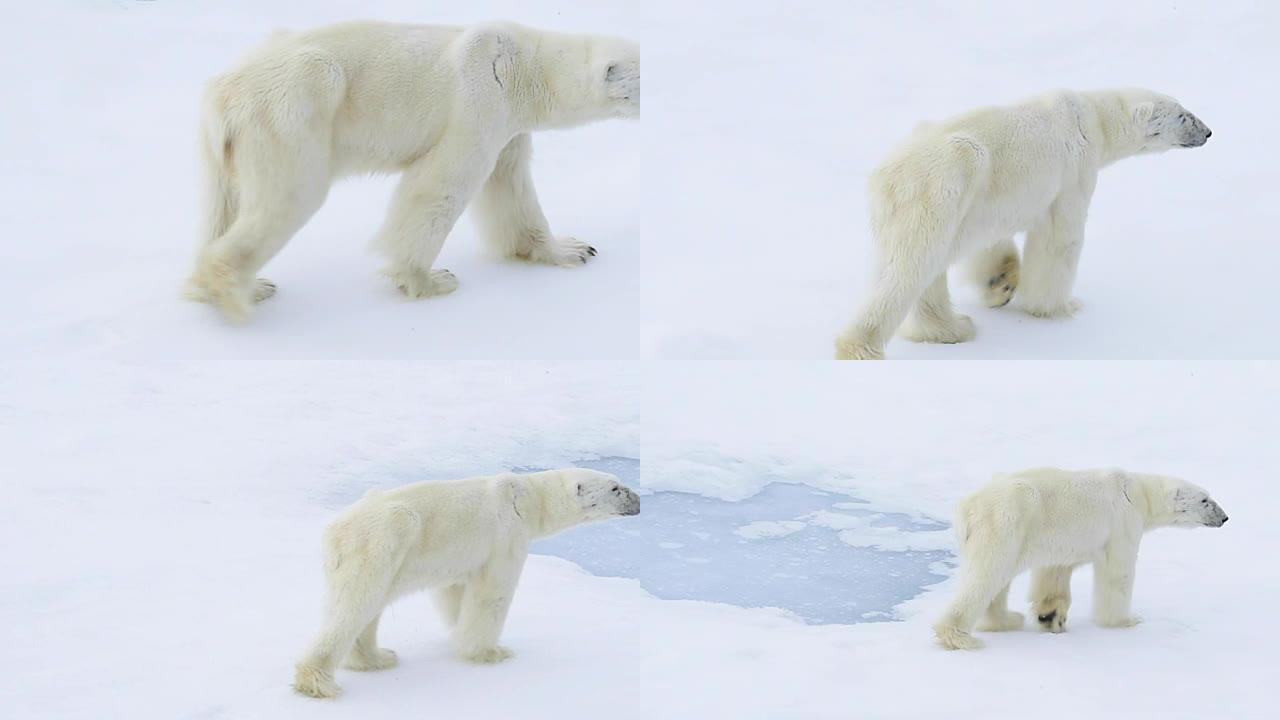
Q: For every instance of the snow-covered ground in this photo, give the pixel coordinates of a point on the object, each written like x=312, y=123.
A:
x=770, y=122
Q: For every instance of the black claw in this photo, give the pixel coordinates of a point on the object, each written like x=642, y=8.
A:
x=1046, y=619
x=591, y=250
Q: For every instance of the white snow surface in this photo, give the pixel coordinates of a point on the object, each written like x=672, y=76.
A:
x=773, y=120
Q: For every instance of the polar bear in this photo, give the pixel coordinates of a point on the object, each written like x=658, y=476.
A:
x=450, y=108
x=466, y=540
x=962, y=189
x=1051, y=521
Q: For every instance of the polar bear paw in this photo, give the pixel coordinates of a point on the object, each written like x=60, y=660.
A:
x=954, y=329
x=416, y=284
x=380, y=659
x=1051, y=616
x=562, y=251
x=487, y=656
x=853, y=347
x=953, y=638
x=1124, y=621
x=315, y=682
x=1009, y=621
x=1060, y=311
x=1002, y=285
x=263, y=289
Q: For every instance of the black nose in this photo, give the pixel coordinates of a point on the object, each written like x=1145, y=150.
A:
x=1208, y=134
x=1225, y=519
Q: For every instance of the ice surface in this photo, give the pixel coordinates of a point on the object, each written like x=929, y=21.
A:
x=781, y=548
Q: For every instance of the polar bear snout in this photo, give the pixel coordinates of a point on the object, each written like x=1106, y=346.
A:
x=1193, y=131
x=601, y=496
x=1213, y=515
x=629, y=502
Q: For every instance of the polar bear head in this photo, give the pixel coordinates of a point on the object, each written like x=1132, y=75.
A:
x=1161, y=123
x=1188, y=505
x=589, y=78
x=600, y=495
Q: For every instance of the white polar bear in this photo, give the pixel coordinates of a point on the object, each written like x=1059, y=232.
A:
x=963, y=189
x=450, y=108
x=1052, y=521
x=466, y=539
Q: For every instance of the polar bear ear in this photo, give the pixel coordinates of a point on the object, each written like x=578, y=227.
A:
x=1142, y=113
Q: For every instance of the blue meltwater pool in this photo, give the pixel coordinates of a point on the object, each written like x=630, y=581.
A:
x=827, y=557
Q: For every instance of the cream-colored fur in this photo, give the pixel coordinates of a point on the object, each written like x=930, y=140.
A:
x=450, y=108
x=960, y=191
x=466, y=540
x=1051, y=521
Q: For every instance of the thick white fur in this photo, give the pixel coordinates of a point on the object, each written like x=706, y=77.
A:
x=467, y=540
x=963, y=188
x=450, y=108
x=1052, y=521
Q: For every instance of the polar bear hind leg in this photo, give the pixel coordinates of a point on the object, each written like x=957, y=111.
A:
x=267, y=173
x=449, y=603
x=366, y=655
x=995, y=270
x=915, y=223
x=512, y=221
x=1051, y=597
x=361, y=568
x=278, y=203
x=989, y=564
x=933, y=320
x=999, y=617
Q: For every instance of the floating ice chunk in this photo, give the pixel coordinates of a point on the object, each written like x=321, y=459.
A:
x=891, y=539
x=769, y=529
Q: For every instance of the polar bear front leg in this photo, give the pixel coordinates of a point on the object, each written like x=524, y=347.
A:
x=934, y=320
x=430, y=198
x=1051, y=596
x=483, y=608
x=995, y=270
x=510, y=218
x=1052, y=256
x=1113, y=573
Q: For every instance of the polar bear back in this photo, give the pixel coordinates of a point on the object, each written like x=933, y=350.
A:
x=1006, y=164
x=380, y=93
x=1059, y=517
x=445, y=530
